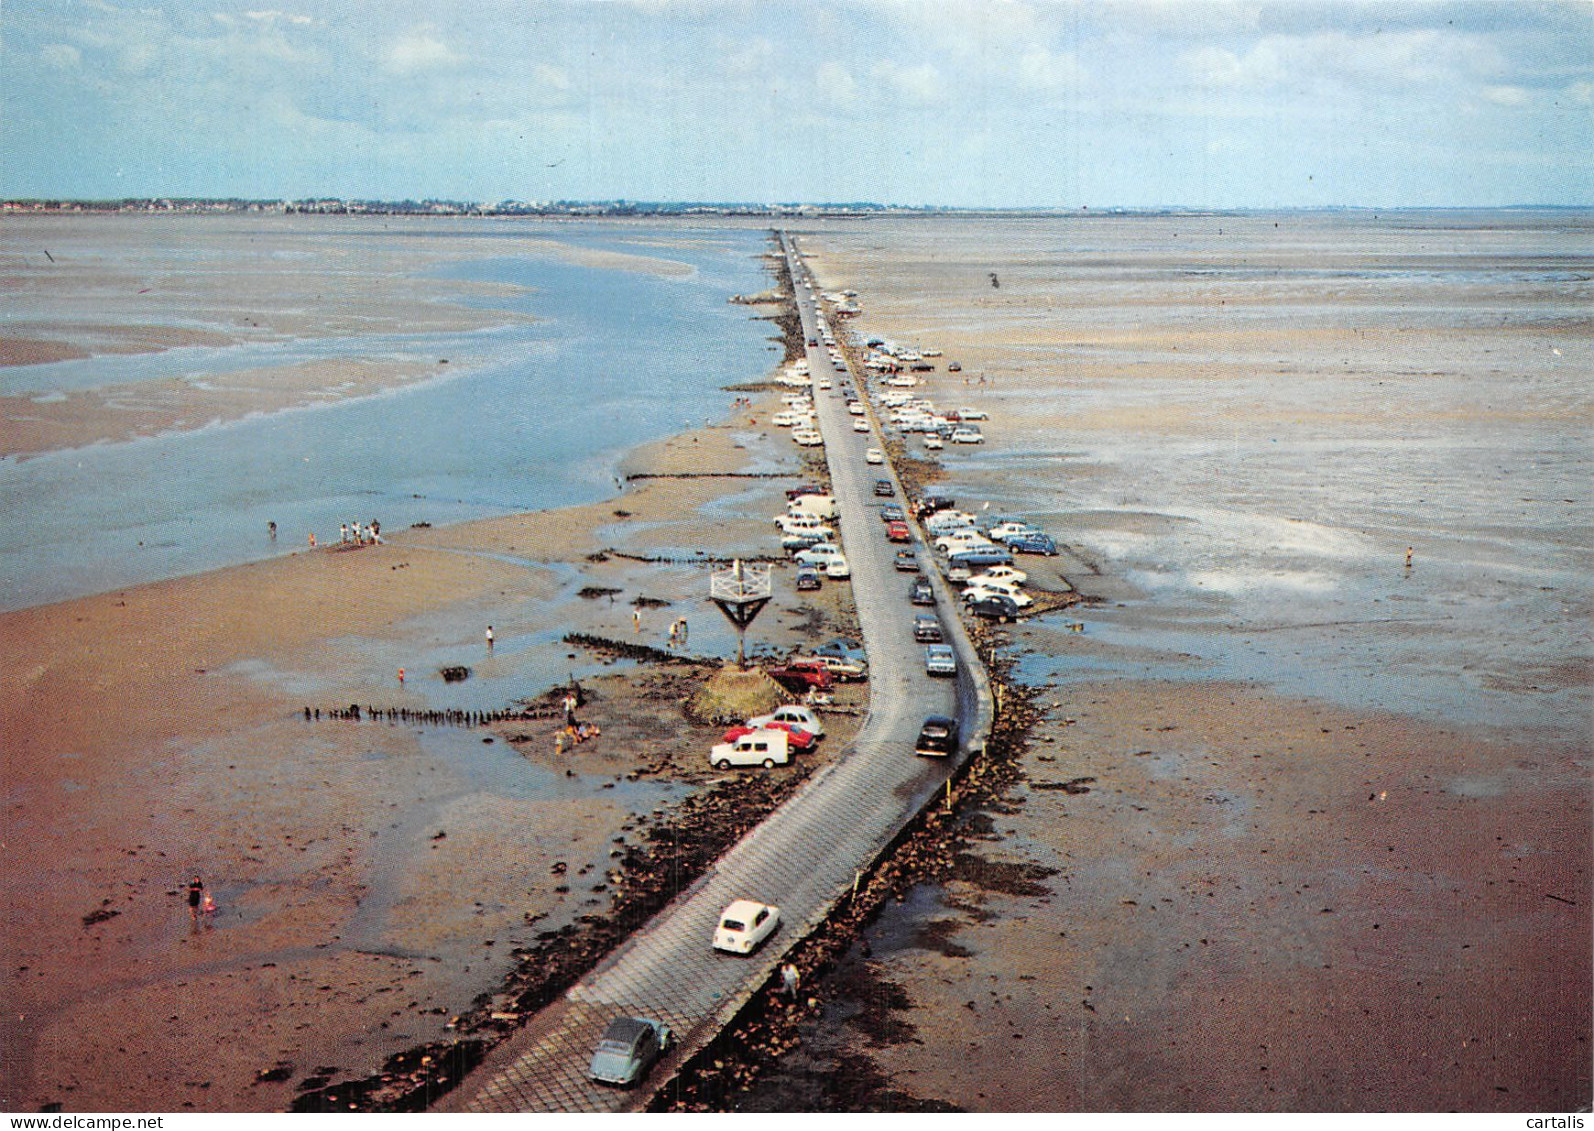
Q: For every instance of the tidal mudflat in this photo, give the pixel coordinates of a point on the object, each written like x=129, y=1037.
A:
x=1331, y=850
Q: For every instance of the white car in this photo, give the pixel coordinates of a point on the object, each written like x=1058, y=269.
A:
x=855, y=407
x=791, y=419
x=1002, y=529
x=933, y=443
x=1001, y=573
x=967, y=436
x=802, y=523
x=837, y=568
x=793, y=714
x=963, y=540
x=819, y=555
x=807, y=438
x=744, y=925
x=860, y=425
x=767, y=748
x=972, y=414
x=873, y=455
x=973, y=592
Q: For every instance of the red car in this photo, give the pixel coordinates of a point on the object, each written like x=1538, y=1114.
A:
x=802, y=675
x=898, y=532
x=796, y=737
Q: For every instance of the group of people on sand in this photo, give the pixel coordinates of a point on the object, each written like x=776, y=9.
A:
x=678, y=632
x=360, y=534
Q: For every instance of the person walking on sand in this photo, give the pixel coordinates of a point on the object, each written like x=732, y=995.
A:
x=682, y=634
x=271, y=528
x=1408, y=557
x=673, y=626
x=489, y=638
x=636, y=620
x=789, y=980
x=196, y=893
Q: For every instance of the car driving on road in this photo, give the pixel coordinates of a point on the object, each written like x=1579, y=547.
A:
x=744, y=925
x=628, y=1049
x=938, y=737
x=939, y=660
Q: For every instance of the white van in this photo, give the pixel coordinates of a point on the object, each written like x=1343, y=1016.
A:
x=819, y=506
x=767, y=748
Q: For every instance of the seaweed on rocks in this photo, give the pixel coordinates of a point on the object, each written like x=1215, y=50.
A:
x=624, y=648
x=933, y=848
x=674, y=851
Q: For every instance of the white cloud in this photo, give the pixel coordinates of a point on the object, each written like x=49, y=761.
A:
x=1506, y=95
x=61, y=56
x=269, y=15
x=1581, y=92
x=920, y=84
x=835, y=84
x=420, y=50
x=1045, y=70
x=554, y=77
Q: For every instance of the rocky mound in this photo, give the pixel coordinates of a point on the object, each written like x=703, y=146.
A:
x=731, y=695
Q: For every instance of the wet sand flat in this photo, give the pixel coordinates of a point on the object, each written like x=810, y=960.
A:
x=1330, y=850
x=372, y=877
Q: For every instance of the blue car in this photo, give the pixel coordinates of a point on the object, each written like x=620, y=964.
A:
x=628, y=1049
x=1033, y=544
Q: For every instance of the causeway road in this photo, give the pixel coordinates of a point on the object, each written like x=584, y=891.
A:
x=803, y=858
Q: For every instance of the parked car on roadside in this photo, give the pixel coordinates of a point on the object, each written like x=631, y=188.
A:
x=994, y=606
x=843, y=670
x=744, y=925
x=797, y=738
x=1033, y=544
x=795, y=714
x=844, y=649
x=762, y=747
x=807, y=579
x=628, y=1049
x=802, y=675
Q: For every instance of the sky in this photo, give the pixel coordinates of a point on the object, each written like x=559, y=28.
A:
x=964, y=103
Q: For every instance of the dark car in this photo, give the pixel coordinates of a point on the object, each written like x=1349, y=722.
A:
x=898, y=532
x=792, y=543
x=892, y=513
x=802, y=489
x=921, y=592
x=995, y=607
x=628, y=1049
x=938, y=737
x=933, y=503
x=1033, y=544
x=883, y=488
x=807, y=578
x=906, y=561
x=926, y=629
